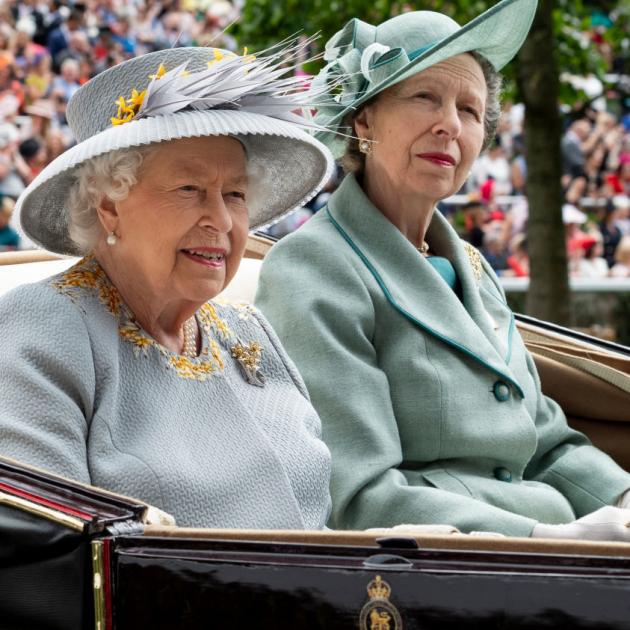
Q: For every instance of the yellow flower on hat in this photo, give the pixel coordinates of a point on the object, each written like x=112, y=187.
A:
x=136, y=98
x=128, y=108
x=161, y=71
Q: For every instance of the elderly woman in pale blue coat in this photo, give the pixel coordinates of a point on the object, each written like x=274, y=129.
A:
x=430, y=403
x=122, y=372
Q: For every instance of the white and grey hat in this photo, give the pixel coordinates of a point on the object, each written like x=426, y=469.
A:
x=183, y=93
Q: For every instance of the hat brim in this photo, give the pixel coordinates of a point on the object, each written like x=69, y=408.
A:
x=293, y=163
x=497, y=34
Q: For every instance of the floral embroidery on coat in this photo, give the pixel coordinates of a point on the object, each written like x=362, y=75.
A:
x=88, y=274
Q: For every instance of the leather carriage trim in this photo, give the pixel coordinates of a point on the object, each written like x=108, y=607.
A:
x=39, y=510
x=58, y=507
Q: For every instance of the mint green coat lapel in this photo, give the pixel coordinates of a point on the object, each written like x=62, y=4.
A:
x=402, y=272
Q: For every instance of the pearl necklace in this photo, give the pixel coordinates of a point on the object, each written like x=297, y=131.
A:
x=424, y=248
x=189, y=349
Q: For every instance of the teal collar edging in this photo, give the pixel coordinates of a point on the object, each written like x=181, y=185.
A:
x=409, y=316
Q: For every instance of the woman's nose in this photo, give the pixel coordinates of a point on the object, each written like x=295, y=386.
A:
x=448, y=124
x=216, y=215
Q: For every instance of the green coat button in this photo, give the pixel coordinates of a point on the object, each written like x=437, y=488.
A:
x=503, y=474
x=501, y=391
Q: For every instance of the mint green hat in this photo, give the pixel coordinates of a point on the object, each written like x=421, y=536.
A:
x=364, y=60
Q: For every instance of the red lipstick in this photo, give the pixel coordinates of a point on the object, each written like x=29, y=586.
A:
x=442, y=159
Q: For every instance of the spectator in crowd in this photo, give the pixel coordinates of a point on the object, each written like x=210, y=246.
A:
x=574, y=147
x=41, y=115
x=11, y=184
x=494, y=164
x=11, y=90
x=59, y=36
x=618, y=182
x=621, y=268
x=33, y=159
x=518, y=261
x=573, y=219
x=25, y=51
x=622, y=203
x=610, y=232
x=475, y=218
x=494, y=252
x=39, y=78
x=67, y=84
x=9, y=238
x=589, y=260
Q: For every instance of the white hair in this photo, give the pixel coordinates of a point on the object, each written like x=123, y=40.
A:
x=113, y=175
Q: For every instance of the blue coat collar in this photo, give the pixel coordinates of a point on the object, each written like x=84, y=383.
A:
x=403, y=275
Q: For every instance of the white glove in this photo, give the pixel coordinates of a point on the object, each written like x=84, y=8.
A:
x=607, y=523
x=155, y=516
x=624, y=500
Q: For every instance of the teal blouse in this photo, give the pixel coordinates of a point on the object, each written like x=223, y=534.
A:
x=446, y=270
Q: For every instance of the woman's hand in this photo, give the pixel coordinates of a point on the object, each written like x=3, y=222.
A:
x=607, y=523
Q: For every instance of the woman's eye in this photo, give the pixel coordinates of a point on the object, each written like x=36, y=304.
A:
x=237, y=194
x=426, y=96
x=473, y=112
x=188, y=188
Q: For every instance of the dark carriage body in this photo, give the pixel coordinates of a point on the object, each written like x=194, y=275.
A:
x=75, y=557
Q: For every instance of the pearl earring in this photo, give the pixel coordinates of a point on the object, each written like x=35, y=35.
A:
x=112, y=239
x=365, y=146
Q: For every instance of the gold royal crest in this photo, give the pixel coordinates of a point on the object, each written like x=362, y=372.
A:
x=379, y=613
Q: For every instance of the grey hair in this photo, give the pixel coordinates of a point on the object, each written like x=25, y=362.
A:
x=114, y=174
x=353, y=161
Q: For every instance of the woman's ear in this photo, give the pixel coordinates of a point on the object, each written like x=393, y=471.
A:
x=107, y=214
x=363, y=123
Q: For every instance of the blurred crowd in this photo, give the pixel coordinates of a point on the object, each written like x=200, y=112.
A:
x=491, y=211
x=49, y=48
x=596, y=185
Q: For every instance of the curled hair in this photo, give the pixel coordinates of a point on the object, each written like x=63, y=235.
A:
x=113, y=175
x=353, y=161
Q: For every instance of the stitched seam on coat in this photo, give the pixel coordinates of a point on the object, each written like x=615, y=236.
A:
x=391, y=300
x=450, y=474
x=575, y=485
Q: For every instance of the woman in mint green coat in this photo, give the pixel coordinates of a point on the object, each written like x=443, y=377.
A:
x=429, y=400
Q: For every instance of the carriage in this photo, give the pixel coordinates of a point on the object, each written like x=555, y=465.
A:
x=76, y=556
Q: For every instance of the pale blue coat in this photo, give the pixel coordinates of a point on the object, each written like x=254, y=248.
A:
x=87, y=394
